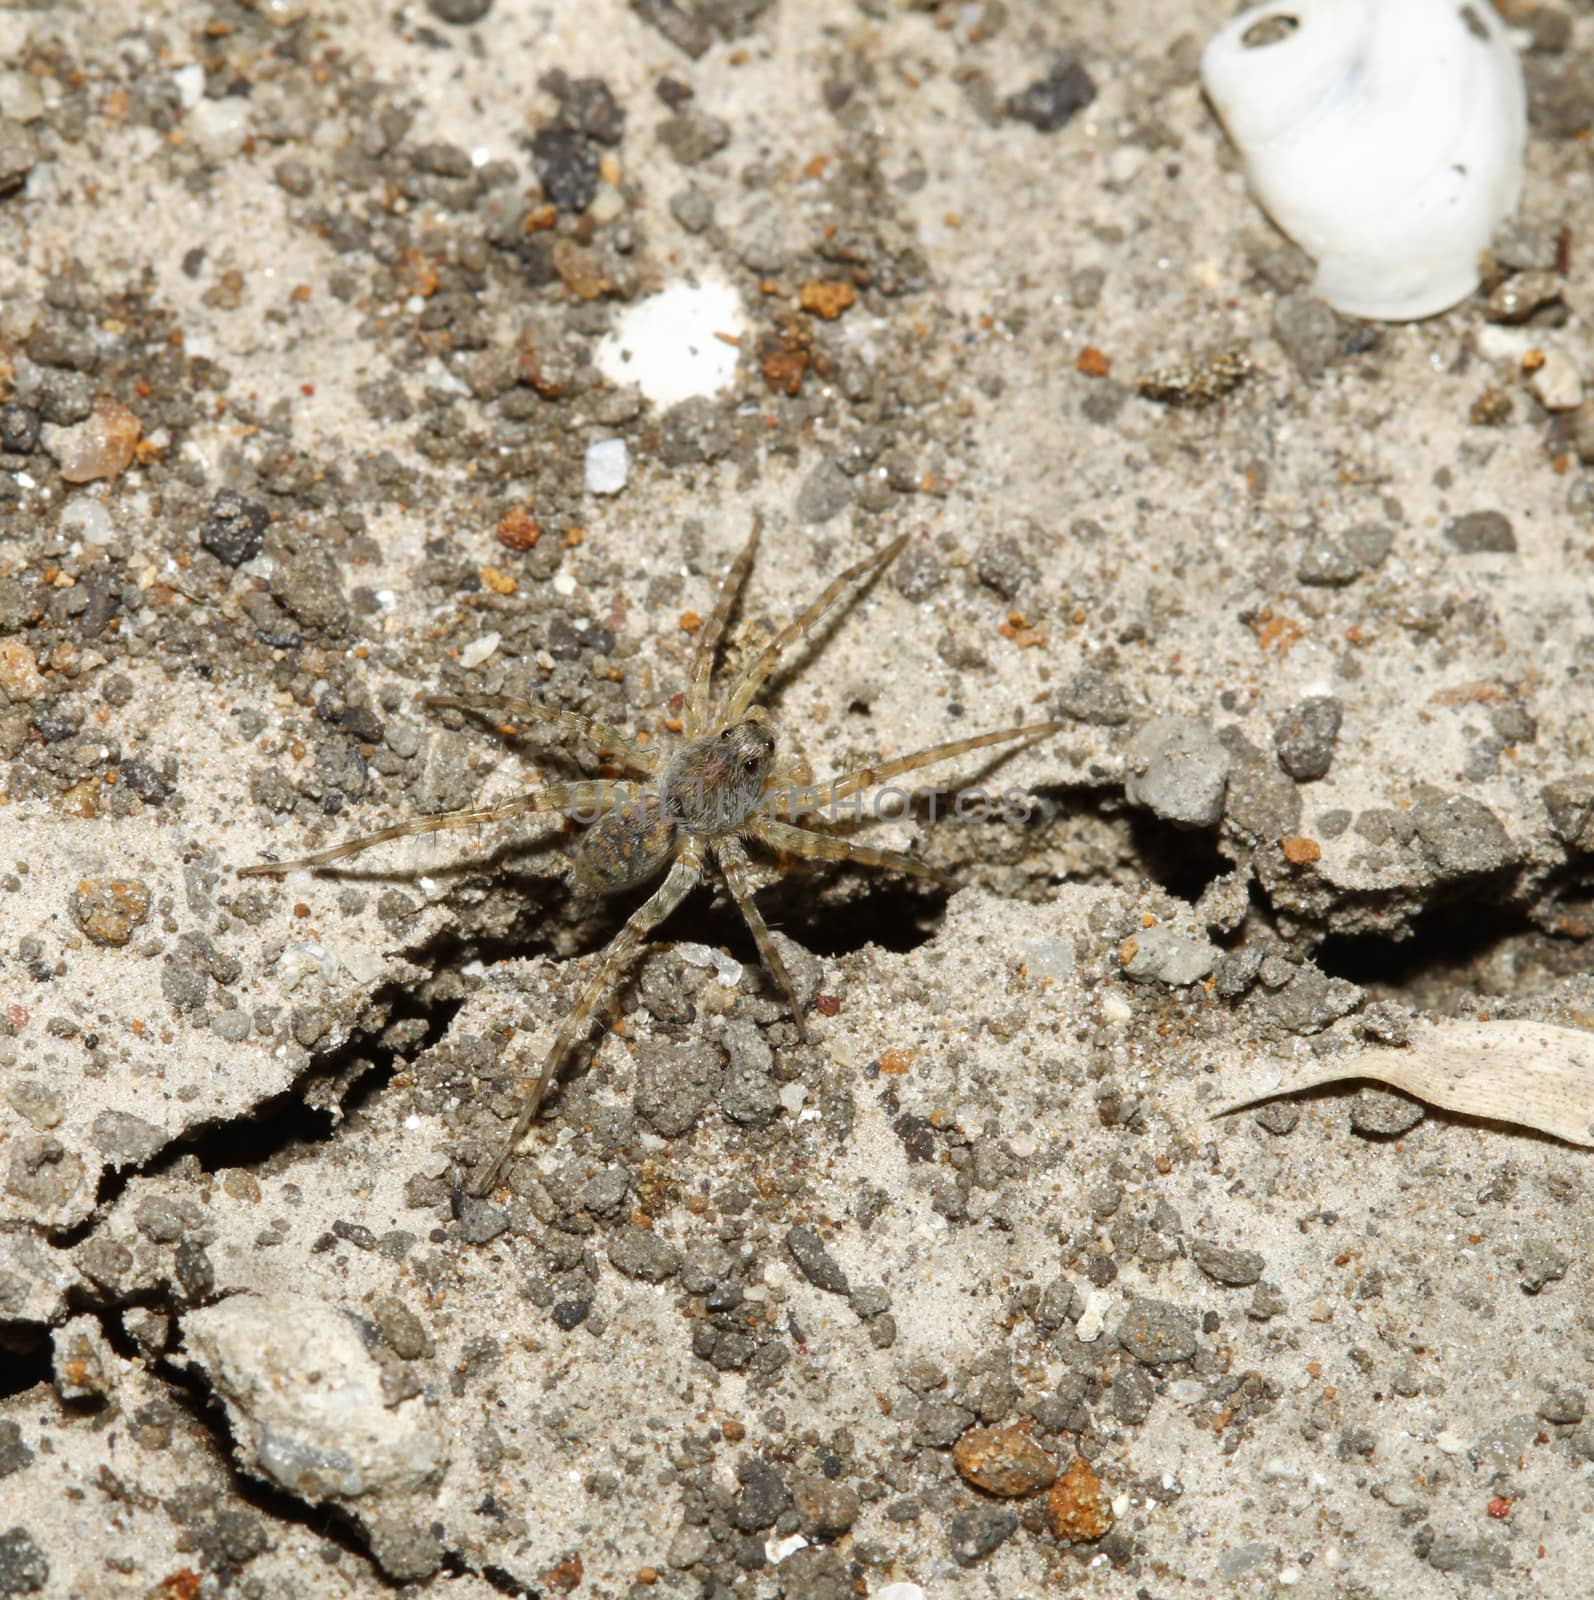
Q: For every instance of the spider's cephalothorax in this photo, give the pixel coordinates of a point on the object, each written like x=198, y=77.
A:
x=713, y=783
x=697, y=806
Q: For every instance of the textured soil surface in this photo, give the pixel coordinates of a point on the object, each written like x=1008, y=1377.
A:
x=307, y=411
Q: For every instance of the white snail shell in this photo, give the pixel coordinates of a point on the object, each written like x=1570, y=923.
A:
x=1384, y=136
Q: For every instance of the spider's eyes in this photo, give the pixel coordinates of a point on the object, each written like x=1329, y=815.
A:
x=750, y=766
x=725, y=734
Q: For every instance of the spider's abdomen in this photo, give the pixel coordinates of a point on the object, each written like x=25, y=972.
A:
x=626, y=846
x=712, y=784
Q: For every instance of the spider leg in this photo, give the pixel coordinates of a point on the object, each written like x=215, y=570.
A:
x=736, y=866
x=683, y=878
x=587, y=800
x=695, y=719
x=794, y=841
x=754, y=676
x=804, y=801
x=606, y=739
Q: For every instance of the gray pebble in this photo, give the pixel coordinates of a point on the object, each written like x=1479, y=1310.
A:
x=14, y=1453
x=1179, y=770
x=762, y=1497
x=1279, y=1117
x=1157, y=1332
x=1327, y=564
x=975, y=1533
x=402, y=1331
x=690, y=1545
x=641, y=1253
x=480, y=1221
x=1570, y=804
x=1236, y=970
x=1369, y=543
x=826, y=491
x=1541, y=1262
x=1308, y=332
x=693, y=136
x=126, y=1139
x=693, y=209
x=1304, y=737
x=675, y=1083
x=818, y=1266
x=1238, y=1269
x=459, y=13
x=1563, y=1406
x=1482, y=533
x=1000, y=564
x=232, y=1026
x=235, y=530
x=1462, y=835
x=1311, y=1000
x=1381, y=1113
x=748, y=1095
x=917, y=573
x=815, y=1573
x=825, y=1509
x=23, y=1568
x=1053, y=101
x=1094, y=697
x=1267, y=1301
x=18, y=153
x=1132, y=1396
x=605, y=1191
x=1164, y=955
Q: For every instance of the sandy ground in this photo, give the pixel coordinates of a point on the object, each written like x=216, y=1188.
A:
x=303, y=311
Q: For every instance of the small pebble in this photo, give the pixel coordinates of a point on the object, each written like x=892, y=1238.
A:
x=1053, y=101
x=1177, y=768
x=1381, y=1113
x=818, y=1266
x=1164, y=955
x=608, y=465
x=109, y=910
x=1557, y=382
x=1078, y=1510
x=102, y=446
x=1003, y=1461
x=235, y=529
x=1304, y=737
x=975, y=1533
x=478, y=650
x=1238, y=1269
x=1482, y=533
x=18, y=154
x=220, y=127
x=459, y=13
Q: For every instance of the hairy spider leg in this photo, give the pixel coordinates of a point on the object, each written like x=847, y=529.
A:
x=694, y=720
x=791, y=840
x=683, y=877
x=737, y=867
x=607, y=740
x=754, y=676
x=589, y=797
x=805, y=801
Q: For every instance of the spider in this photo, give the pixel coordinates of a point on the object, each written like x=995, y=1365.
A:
x=719, y=788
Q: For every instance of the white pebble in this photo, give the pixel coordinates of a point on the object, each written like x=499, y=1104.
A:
x=776, y=1550
x=219, y=127
x=86, y=518
x=899, y=1591
x=1451, y=1443
x=1557, y=382
x=792, y=1096
x=1094, y=1317
x=189, y=82
x=673, y=345
x=608, y=465
x=478, y=650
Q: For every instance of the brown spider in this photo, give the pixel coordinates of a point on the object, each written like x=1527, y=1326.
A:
x=715, y=790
